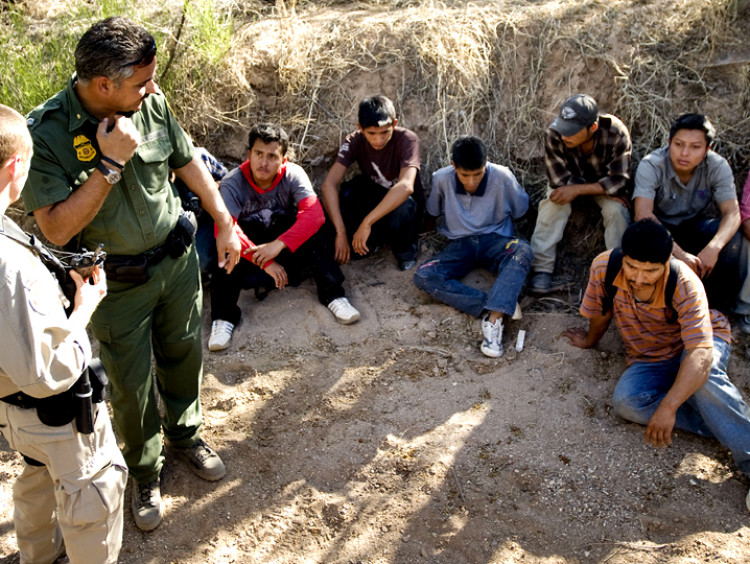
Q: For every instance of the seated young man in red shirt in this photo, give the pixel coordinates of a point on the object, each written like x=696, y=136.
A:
x=278, y=217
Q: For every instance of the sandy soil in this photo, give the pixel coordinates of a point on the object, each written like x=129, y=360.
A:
x=395, y=440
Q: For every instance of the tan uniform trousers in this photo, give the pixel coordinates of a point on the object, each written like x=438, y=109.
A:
x=551, y=221
x=76, y=497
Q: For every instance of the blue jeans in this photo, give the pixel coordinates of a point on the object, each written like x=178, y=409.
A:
x=507, y=257
x=716, y=410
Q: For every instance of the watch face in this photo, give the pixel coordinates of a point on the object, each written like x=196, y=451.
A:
x=111, y=176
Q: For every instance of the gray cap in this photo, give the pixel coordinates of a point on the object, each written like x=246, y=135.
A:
x=577, y=112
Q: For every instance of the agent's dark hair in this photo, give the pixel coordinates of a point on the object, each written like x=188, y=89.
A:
x=694, y=121
x=376, y=111
x=268, y=133
x=647, y=240
x=14, y=136
x=469, y=153
x=114, y=48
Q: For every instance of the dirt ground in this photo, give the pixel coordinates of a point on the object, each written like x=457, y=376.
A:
x=395, y=440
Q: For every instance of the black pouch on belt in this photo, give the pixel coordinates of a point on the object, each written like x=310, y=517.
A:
x=126, y=269
x=180, y=238
x=57, y=410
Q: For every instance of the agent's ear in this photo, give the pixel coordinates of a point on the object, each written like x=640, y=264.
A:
x=395, y=122
x=103, y=85
x=16, y=166
x=594, y=126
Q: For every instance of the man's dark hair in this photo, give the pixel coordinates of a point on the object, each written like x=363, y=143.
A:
x=268, y=133
x=647, y=240
x=469, y=153
x=694, y=121
x=113, y=48
x=376, y=111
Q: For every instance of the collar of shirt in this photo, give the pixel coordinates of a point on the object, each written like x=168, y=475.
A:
x=78, y=115
x=658, y=298
x=480, y=189
x=248, y=174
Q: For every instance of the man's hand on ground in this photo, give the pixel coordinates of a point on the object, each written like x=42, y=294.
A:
x=578, y=337
x=659, y=428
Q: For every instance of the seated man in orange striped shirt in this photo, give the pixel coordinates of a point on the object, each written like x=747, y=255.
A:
x=677, y=348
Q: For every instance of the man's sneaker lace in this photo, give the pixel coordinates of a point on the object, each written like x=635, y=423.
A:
x=221, y=335
x=343, y=311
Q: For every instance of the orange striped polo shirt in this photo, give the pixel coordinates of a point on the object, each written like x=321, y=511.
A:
x=647, y=334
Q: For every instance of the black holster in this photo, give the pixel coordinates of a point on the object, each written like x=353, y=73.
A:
x=75, y=403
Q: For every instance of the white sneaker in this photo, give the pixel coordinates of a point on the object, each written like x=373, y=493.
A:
x=747, y=501
x=221, y=335
x=492, y=344
x=343, y=311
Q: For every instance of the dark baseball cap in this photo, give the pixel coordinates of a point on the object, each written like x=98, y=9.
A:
x=577, y=112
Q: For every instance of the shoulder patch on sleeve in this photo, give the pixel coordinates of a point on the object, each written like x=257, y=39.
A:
x=36, y=116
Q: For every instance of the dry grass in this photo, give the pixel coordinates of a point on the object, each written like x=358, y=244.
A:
x=498, y=69
x=495, y=69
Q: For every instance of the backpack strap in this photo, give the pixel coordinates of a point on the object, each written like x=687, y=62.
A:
x=669, y=289
x=613, y=268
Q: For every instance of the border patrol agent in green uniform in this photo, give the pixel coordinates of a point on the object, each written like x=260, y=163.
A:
x=104, y=149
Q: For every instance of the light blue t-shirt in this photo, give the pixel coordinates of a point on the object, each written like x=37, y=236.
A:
x=491, y=209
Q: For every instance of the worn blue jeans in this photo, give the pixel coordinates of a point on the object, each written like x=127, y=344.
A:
x=716, y=410
x=507, y=257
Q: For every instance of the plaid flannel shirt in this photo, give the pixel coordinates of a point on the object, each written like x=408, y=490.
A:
x=608, y=164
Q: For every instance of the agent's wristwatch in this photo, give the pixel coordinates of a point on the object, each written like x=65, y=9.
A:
x=111, y=176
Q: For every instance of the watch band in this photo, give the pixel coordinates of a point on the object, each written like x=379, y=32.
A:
x=111, y=176
x=113, y=162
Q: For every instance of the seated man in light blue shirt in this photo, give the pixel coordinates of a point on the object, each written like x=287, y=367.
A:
x=690, y=189
x=478, y=202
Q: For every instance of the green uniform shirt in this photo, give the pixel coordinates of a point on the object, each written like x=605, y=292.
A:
x=143, y=207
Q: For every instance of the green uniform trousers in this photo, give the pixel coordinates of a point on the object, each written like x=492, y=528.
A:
x=163, y=315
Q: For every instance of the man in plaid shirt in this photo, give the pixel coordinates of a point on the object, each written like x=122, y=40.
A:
x=586, y=154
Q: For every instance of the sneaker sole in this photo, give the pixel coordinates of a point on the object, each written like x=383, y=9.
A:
x=215, y=348
x=347, y=321
x=490, y=353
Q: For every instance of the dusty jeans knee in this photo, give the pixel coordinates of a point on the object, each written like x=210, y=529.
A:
x=716, y=410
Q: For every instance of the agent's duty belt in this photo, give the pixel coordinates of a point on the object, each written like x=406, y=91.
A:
x=19, y=399
x=132, y=269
